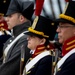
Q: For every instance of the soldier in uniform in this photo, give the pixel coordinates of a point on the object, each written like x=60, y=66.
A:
x=66, y=36
x=4, y=31
x=18, y=18
x=39, y=35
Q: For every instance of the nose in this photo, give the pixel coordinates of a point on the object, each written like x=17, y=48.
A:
x=58, y=29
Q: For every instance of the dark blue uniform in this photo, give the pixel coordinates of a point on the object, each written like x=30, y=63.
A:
x=42, y=67
x=68, y=67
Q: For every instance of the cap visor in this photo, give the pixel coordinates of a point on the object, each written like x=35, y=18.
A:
x=29, y=33
x=33, y=34
x=9, y=12
x=64, y=21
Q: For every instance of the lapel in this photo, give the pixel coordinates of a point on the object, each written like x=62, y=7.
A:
x=9, y=52
x=36, y=59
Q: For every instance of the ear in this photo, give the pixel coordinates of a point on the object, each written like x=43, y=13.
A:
x=21, y=18
x=43, y=41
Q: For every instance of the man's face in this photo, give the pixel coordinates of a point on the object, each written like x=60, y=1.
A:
x=12, y=20
x=65, y=31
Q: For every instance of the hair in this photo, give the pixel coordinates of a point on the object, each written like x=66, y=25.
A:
x=47, y=40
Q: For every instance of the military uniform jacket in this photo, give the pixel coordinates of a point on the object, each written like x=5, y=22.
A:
x=12, y=62
x=68, y=66
x=44, y=61
x=42, y=67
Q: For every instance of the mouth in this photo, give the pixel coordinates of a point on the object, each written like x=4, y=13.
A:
x=59, y=37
